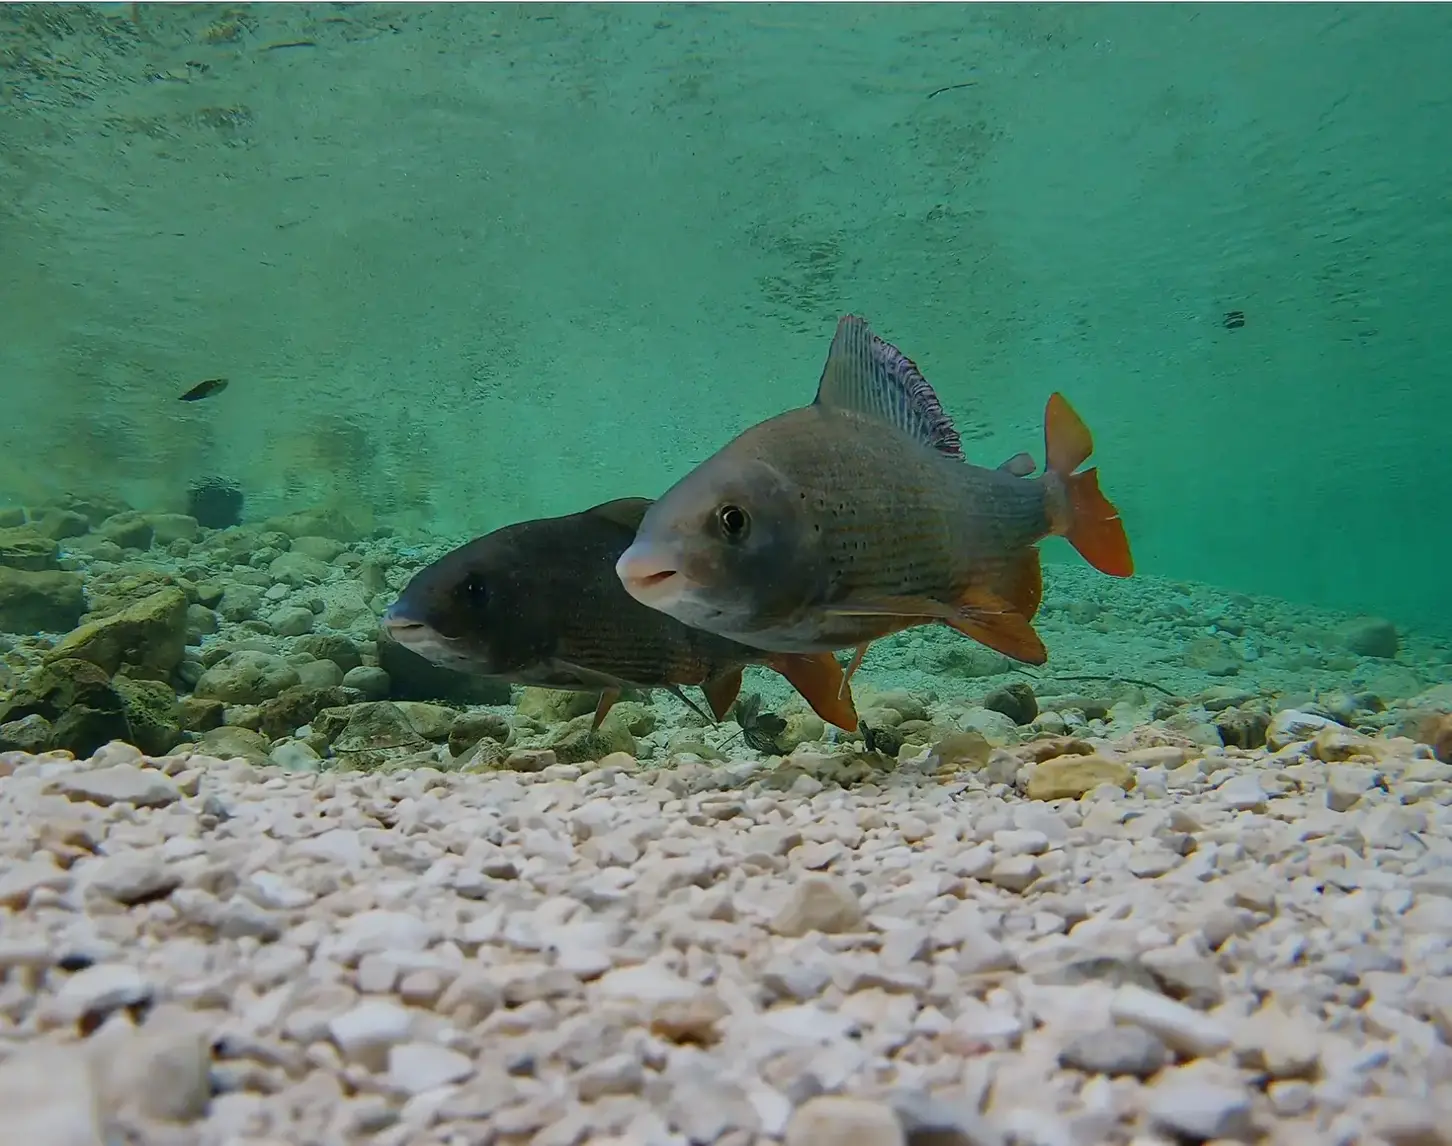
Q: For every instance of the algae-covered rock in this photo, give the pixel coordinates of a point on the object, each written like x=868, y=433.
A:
x=33, y=733
x=58, y=523
x=1214, y=656
x=469, y=728
x=149, y=637
x=40, y=602
x=330, y=647
x=294, y=707
x=552, y=706
x=1016, y=701
x=431, y=721
x=151, y=711
x=375, y=732
x=77, y=698
x=169, y=527
x=198, y=714
x=247, y=677
x=1371, y=637
x=576, y=742
x=230, y=742
x=25, y=547
x=319, y=522
x=129, y=530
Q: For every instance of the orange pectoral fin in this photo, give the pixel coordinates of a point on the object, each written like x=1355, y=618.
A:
x=818, y=677
x=721, y=693
x=992, y=621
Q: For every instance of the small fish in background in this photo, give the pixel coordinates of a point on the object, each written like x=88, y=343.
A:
x=207, y=389
x=538, y=603
x=830, y=526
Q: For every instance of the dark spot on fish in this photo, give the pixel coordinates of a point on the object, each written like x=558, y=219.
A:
x=206, y=389
x=1233, y=320
x=475, y=588
x=74, y=961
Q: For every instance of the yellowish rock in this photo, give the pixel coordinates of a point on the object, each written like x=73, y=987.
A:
x=802, y=728
x=1069, y=777
x=966, y=749
x=1335, y=744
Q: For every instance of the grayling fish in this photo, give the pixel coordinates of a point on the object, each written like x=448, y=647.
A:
x=830, y=526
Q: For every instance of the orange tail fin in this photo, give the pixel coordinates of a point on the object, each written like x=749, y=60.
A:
x=1091, y=524
x=818, y=677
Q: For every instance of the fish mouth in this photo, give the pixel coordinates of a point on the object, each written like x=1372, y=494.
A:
x=430, y=644
x=650, y=576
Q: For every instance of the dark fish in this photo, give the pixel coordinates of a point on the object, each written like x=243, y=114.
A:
x=207, y=389
x=539, y=603
x=833, y=525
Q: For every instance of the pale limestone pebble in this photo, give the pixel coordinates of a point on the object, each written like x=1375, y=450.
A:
x=49, y=1094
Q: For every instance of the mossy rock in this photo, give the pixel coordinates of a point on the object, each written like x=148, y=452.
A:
x=78, y=699
x=152, y=711
x=148, y=637
x=230, y=743
x=577, y=742
x=296, y=706
x=40, y=602
x=25, y=547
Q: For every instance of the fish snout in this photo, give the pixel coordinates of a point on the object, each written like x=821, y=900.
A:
x=397, y=622
x=649, y=574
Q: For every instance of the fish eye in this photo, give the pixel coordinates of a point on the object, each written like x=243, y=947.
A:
x=734, y=522
x=475, y=588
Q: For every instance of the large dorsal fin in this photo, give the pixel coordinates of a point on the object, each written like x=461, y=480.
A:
x=626, y=511
x=873, y=377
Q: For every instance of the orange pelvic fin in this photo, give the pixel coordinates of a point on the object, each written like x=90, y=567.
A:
x=1091, y=523
x=818, y=677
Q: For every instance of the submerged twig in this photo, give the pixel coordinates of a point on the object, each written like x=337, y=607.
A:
x=952, y=88
x=1083, y=676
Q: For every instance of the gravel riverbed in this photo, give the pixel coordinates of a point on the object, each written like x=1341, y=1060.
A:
x=1245, y=946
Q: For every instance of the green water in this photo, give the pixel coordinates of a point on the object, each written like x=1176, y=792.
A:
x=467, y=264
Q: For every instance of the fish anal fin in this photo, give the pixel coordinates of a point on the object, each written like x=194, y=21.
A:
x=990, y=620
x=1022, y=583
x=721, y=692
x=603, y=707
x=819, y=679
x=626, y=511
x=872, y=377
